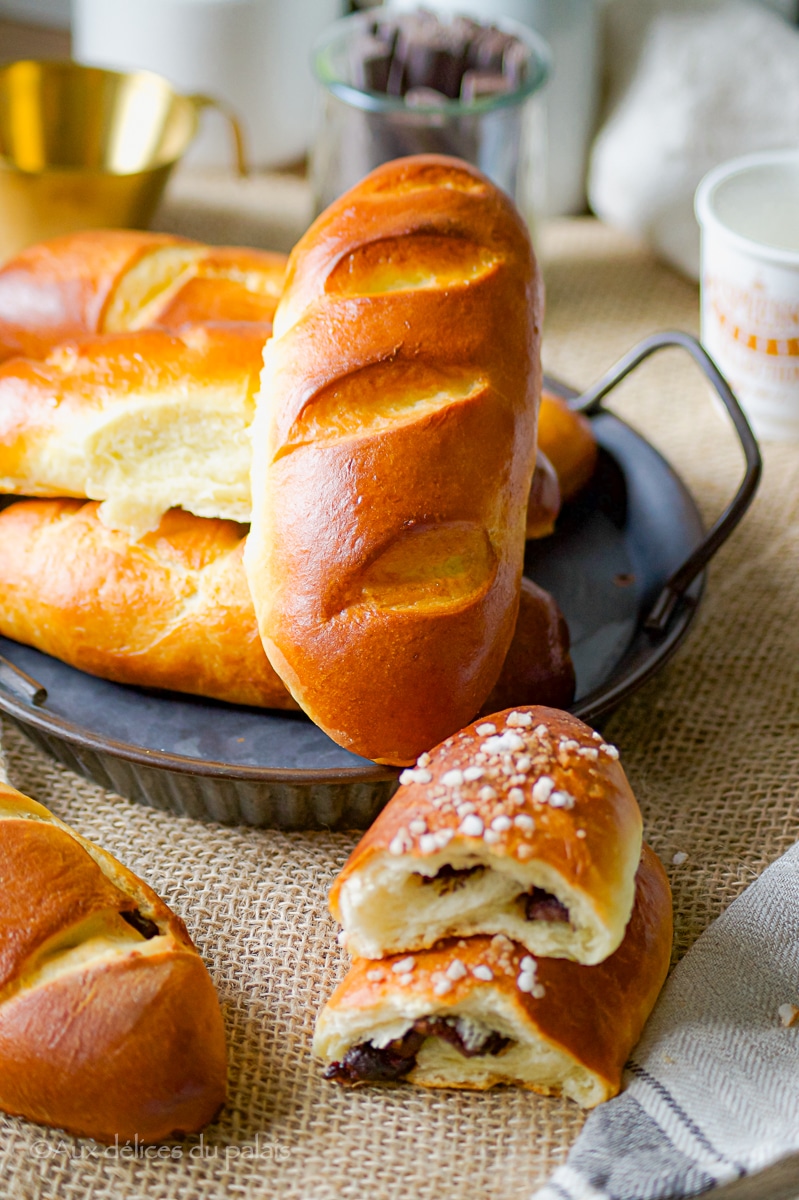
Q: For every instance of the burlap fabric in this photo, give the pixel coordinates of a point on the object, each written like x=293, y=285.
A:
x=709, y=745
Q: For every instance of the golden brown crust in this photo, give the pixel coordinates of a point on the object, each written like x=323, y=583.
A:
x=604, y=806
x=144, y=1059
x=528, y=789
x=171, y=610
x=71, y=286
x=59, y=289
x=595, y=1014
x=82, y=379
x=148, y=406
x=229, y=283
x=108, y=1027
x=216, y=300
x=393, y=454
x=68, y=886
x=568, y=441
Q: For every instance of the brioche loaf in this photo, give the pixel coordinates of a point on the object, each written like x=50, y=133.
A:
x=111, y=280
x=171, y=610
x=144, y=421
x=151, y=420
x=475, y=1012
x=394, y=446
x=522, y=824
x=567, y=440
x=538, y=668
x=109, y=1023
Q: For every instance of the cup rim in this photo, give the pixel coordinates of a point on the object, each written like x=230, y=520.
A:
x=382, y=103
x=707, y=216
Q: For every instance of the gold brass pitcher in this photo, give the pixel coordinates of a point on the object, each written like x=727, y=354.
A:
x=85, y=148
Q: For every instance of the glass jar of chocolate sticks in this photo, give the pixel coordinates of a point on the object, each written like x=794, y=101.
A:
x=404, y=83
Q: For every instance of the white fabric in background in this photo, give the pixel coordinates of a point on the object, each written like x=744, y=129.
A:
x=696, y=85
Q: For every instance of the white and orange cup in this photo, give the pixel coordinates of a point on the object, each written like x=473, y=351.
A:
x=748, y=210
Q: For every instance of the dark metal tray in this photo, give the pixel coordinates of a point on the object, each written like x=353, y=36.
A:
x=626, y=565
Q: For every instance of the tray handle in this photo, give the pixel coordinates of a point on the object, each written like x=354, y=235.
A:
x=591, y=401
x=15, y=681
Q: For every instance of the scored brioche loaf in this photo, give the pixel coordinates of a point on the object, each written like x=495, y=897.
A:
x=567, y=440
x=112, y=280
x=170, y=610
x=124, y=412
x=109, y=1023
x=394, y=447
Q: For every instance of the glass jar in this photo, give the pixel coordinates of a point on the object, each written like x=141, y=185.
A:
x=504, y=134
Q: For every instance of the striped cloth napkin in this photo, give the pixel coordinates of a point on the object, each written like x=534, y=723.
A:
x=711, y=1097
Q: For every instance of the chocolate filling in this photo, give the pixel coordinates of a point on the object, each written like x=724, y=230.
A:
x=450, y=879
x=143, y=925
x=539, y=905
x=543, y=906
x=366, y=1063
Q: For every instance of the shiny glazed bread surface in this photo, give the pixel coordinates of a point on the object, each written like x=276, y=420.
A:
x=394, y=446
x=112, y=280
x=169, y=610
x=109, y=1023
x=568, y=441
x=172, y=609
